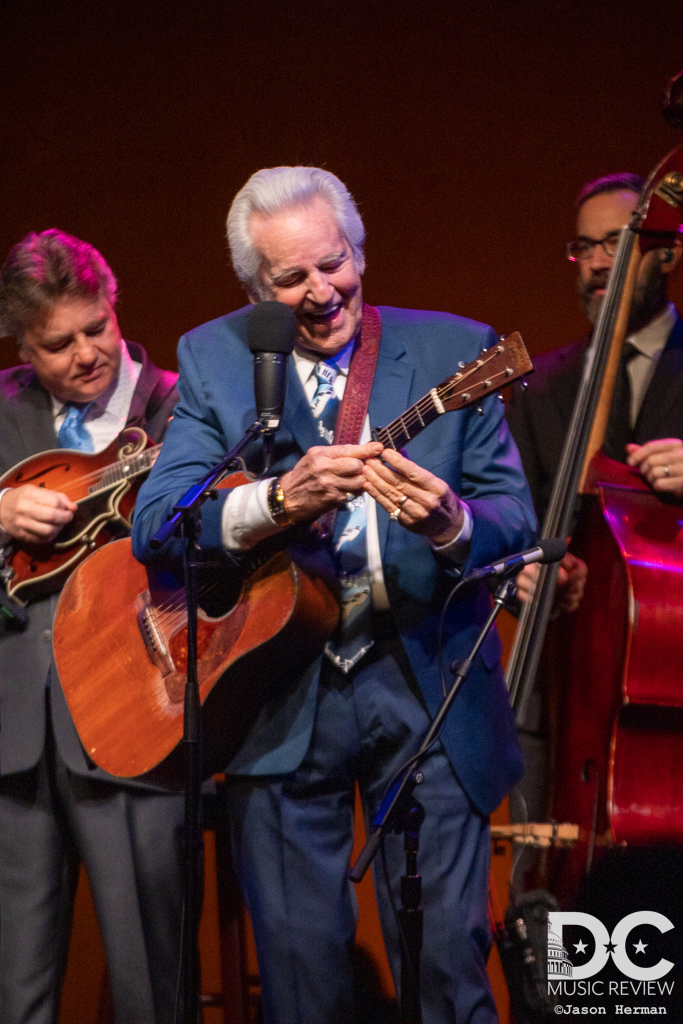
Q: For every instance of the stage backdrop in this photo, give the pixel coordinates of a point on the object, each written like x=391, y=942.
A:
x=464, y=132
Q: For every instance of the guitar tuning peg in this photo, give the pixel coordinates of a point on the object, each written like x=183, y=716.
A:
x=461, y=365
x=501, y=398
x=525, y=384
x=502, y=337
x=480, y=410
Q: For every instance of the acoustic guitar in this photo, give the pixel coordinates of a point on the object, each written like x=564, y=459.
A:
x=120, y=632
x=104, y=486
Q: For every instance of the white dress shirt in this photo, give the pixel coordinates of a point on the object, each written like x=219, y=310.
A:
x=649, y=343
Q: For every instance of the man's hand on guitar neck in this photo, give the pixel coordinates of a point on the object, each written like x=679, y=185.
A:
x=324, y=478
x=34, y=515
x=418, y=500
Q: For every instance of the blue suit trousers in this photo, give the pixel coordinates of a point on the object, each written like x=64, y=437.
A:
x=292, y=839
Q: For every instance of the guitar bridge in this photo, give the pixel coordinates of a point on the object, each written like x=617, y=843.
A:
x=152, y=635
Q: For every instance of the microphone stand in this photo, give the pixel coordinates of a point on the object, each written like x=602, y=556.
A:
x=186, y=524
x=401, y=812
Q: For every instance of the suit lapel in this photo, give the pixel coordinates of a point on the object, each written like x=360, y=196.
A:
x=390, y=396
x=297, y=415
x=32, y=410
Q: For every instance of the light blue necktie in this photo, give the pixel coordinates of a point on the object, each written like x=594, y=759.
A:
x=73, y=432
x=353, y=637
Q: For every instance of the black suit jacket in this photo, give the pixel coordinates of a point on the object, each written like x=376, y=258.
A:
x=27, y=428
x=539, y=415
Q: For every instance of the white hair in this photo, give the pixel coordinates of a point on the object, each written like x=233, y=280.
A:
x=273, y=189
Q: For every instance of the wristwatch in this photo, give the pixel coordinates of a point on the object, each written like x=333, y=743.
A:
x=276, y=503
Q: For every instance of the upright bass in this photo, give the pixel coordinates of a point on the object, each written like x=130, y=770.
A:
x=619, y=713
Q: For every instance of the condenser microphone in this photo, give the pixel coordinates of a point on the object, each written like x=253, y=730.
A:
x=550, y=549
x=271, y=332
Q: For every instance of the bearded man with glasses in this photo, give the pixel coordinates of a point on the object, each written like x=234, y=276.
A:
x=646, y=420
x=645, y=427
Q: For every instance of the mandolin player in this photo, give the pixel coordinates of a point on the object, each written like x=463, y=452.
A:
x=78, y=386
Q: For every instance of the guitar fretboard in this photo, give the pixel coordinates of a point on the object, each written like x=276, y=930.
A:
x=126, y=469
x=409, y=424
x=494, y=368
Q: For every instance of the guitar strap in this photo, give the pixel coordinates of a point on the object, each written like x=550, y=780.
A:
x=354, y=404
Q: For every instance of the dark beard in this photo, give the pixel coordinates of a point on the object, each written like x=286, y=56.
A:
x=649, y=298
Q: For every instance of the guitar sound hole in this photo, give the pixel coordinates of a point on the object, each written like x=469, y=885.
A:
x=219, y=589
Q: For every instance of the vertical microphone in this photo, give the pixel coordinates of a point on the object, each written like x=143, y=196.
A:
x=271, y=332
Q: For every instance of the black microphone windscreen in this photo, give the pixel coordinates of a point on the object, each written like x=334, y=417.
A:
x=271, y=327
x=554, y=548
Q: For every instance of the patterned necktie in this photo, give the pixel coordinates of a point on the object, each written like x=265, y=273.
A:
x=353, y=637
x=73, y=432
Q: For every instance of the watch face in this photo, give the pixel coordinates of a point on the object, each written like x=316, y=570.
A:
x=276, y=503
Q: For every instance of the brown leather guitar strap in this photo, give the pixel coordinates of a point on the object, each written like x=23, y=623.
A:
x=354, y=406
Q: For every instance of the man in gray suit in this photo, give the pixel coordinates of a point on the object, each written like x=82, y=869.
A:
x=80, y=386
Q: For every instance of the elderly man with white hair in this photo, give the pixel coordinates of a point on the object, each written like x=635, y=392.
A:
x=405, y=528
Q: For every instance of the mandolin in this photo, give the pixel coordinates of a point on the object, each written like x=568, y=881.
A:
x=124, y=680
x=104, y=486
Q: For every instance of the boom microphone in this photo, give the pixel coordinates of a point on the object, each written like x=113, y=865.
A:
x=271, y=331
x=550, y=549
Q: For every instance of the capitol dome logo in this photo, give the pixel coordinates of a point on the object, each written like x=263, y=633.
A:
x=559, y=964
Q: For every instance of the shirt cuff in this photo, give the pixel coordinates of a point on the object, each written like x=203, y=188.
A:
x=246, y=520
x=458, y=549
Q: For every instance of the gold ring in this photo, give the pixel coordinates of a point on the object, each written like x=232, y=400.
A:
x=402, y=501
x=666, y=470
x=395, y=514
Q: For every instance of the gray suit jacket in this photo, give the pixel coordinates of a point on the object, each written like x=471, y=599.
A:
x=26, y=428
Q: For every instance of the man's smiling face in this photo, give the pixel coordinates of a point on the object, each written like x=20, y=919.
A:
x=307, y=263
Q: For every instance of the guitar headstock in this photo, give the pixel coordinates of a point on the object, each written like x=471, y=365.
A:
x=494, y=369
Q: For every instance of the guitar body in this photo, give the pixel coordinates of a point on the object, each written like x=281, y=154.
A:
x=103, y=512
x=125, y=684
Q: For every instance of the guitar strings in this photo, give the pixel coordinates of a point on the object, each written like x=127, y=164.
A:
x=412, y=417
x=172, y=614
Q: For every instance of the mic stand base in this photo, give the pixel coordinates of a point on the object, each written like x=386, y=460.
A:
x=410, y=917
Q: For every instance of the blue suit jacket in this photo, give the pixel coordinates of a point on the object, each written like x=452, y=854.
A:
x=474, y=454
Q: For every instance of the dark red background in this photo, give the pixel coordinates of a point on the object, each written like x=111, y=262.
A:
x=464, y=132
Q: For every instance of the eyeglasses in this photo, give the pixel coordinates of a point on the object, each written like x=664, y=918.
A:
x=582, y=249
